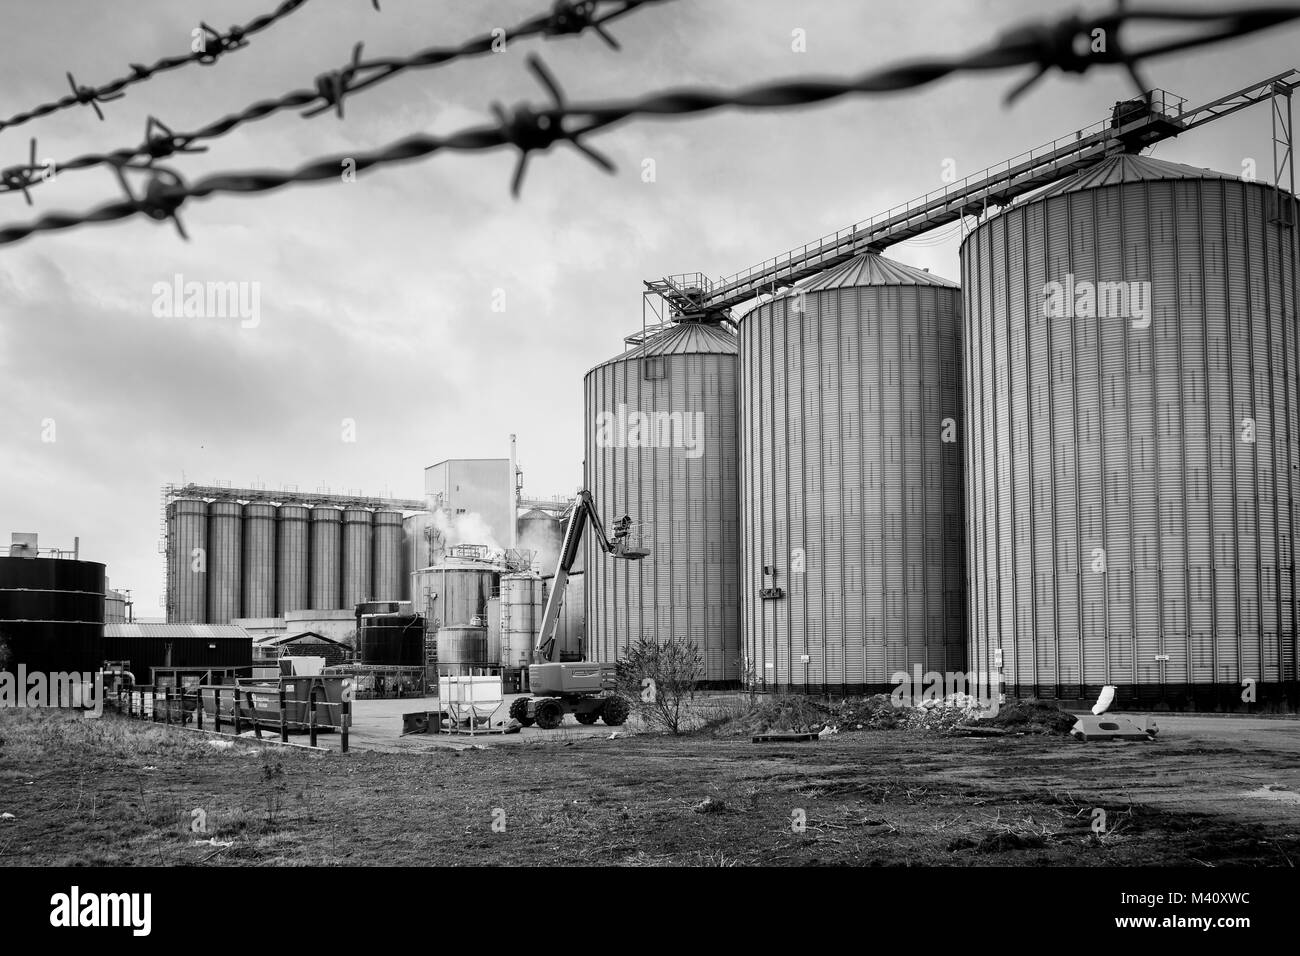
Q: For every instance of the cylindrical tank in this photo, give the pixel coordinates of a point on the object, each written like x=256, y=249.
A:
x=455, y=592
x=392, y=639
x=259, y=560
x=462, y=648
x=114, y=606
x=187, y=549
x=521, y=616
x=1132, y=442
x=326, y=558
x=52, y=614
x=544, y=533
x=387, y=570
x=415, y=549
x=853, y=560
x=225, y=561
x=661, y=447
x=494, y=629
x=358, y=542
x=293, y=560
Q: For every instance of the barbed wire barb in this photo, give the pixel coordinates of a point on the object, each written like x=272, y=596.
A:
x=234, y=38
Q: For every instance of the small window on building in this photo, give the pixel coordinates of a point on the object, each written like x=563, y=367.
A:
x=653, y=369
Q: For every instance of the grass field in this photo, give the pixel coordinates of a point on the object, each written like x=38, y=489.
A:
x=113, y=791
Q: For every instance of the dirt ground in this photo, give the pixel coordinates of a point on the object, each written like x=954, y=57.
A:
x=1210, y=791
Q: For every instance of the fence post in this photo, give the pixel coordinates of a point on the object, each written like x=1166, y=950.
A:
x=130, y=701
x=198, y=711
x=238, y=723
x=345, y=719
x=311, y=703
x=153, y=703
x=167, y=706
x=216, y=708
x=252, y=706
x=284, y=720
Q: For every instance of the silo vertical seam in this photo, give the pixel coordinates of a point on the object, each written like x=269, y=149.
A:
x=1010, y=499
x=1253, y=378
x=1155, y=450
x=1028, y=300
x=1092, y=198
x=1130, y=507
x=1182, y=433
x=1209, y=469
x=1231, y=357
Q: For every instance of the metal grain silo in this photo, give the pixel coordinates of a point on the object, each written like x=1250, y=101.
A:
x=358, y=542
x=1131, y=357
x=225, y=562
x=851, y=485
x=661, y=446
x=259, y=560
x=187, y=549
x=388, y=557
x=293, y=559
x=417, y=552
x=326, y=558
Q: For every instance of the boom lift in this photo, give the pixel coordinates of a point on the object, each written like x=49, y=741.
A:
x=582, y=688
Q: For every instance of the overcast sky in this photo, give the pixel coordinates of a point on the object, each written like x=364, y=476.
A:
x=376, y=296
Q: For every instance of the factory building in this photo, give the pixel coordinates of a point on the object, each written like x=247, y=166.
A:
x=1132, y=436
x=660, y=427
x=850, y=410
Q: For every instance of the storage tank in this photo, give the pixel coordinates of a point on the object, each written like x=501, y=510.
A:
x=52, y=614
x=225, y=562
x=455, y=592
x=326, y=558
x=853, y=560
x=415, y=548
x=293, y=560
x=521, y=616
x=187, y=549
x=661, y=446
x=358, y=542
x=1131, y=449
x=114, y=606
x=462, y=649
x=493, y=623
x=392, y=639
x=259, y=560
x=388, y=557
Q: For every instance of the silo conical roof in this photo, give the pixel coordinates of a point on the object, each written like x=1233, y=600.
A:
x=1127, y=168
x=685, y=338
x=871, y=269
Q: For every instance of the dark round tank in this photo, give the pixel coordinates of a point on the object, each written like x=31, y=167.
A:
x=52, y=613
x=395, y=640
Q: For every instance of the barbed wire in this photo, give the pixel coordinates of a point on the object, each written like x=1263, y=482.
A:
x=566, y=17
x=528, y=129
x=215, y=44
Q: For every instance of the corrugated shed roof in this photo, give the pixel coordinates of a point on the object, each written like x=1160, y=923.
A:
x=870, y=269
x=195, y=631
x=1126, y=168
x=686, y=338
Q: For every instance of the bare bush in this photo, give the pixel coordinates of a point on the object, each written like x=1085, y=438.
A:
x=658, y=679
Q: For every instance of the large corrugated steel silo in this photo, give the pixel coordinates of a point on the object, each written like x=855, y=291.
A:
x=358, y=542
x=1132, y=449
x=853, y=557
x=326, y=557
x=661, y=446
x=259, y=560
x=293, y=559
x=388, y=557
x=225, y=562
x=187, y=549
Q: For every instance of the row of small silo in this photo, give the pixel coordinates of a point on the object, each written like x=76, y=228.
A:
x=1128, y=477
x=259, y=560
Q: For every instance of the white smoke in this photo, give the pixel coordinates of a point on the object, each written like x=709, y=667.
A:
x=469, y=528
